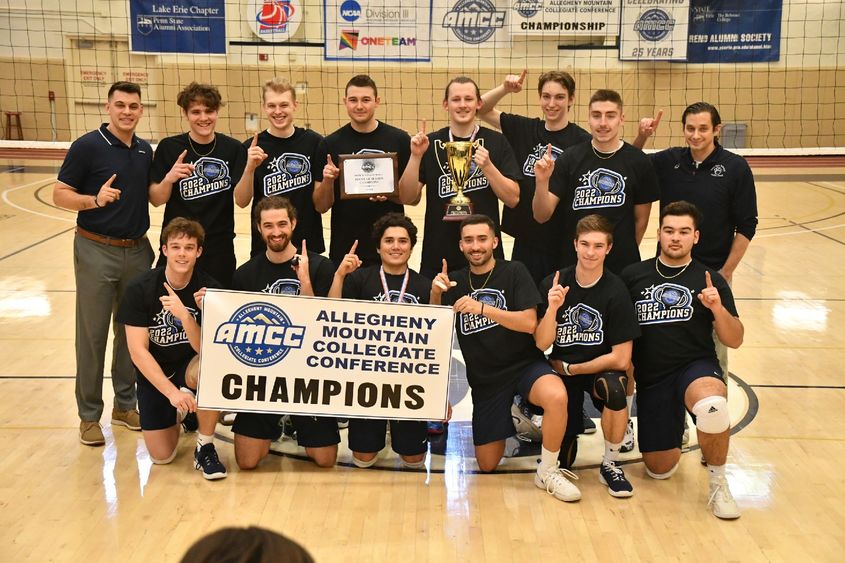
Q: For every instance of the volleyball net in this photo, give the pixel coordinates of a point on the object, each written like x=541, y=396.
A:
x=772, y=67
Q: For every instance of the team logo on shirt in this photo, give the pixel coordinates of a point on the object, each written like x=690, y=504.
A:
x=211, y=176
x=581, y=325
x=288, y=172
x=283, y=286
x=718, y=171
x=600, y=188
x=259, y=334
x=536, y=154
x=664, y=303
x=470, y=323
x=475, y=181
x=393, y=297
x=168, y=330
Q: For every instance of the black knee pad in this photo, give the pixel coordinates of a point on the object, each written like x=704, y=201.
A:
x=568, y=451
x=611, y=388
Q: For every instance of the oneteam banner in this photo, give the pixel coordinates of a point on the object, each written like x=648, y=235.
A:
x=654, y=30
x=377, y=30
x=307, y=355
x=178, y=26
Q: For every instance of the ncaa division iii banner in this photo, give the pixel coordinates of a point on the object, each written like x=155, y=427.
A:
x=654, y=30
x=177, y=26
x=306, y=355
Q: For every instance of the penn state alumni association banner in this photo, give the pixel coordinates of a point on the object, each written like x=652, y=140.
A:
x=654, y=30
x=178, y=26
x=734, y=31
x=377, y=30
x=305, y=355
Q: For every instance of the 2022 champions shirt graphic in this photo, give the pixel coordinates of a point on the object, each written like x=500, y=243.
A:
x=599, y=188
x=583, y=325
x=168, y=330
x=211, y=176
x=471, y=323
x=664, y=303
x=288, y=172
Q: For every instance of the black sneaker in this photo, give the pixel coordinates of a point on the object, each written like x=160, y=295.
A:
x=612, y=475
x=589, y=425
x=205, y=458
x=190, y=422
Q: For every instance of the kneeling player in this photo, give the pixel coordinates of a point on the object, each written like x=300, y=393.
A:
x=496, y=303
x=679, y=302
x=279, y=269
x=392, y=281
x=588, y=316
x=161, y=311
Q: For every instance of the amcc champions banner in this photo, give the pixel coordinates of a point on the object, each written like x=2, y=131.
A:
x=304, y=355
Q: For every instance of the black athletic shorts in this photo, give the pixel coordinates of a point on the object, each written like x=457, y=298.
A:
x=311, y=431
x=407, y=437
x=491, y=414
x=660, y=407
x=156, y=411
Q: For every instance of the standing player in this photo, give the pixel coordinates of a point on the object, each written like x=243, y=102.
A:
x=161, y=310
x=394, y=282
x=715, y=180
x=104, y=177
x=492, y=177
x=529, y=137
x=679, y=302
x=280, y=161
x=605, y=176
x=203, y=166
x=352, y=219
x=279, y=269
x=496, y=303
x=589, y=320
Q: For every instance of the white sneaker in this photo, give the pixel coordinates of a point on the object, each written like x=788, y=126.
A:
x=628, y=442
x=721, y=501
x=555, y=482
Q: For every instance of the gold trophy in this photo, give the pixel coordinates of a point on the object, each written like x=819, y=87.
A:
x=459, y=157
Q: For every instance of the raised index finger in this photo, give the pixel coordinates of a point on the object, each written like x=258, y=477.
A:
x=182, y=156
x=522, y=76
x=557, y=279
x=254, y=140
x=169, y=289
x=354, y=247
x=707, y=279
x=657, y=119
x=445, y=270
x=110, y=180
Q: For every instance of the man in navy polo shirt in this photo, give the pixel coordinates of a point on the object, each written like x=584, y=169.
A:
x=104, y=178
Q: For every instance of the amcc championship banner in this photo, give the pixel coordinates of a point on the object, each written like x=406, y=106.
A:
x=305, y=355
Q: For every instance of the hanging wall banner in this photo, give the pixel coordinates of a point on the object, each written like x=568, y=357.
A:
x=178, y=26
x=734, y=31
x=377, y=30
x=556, y=18
x=304, y=355
x=654, y=30
x=274, y=20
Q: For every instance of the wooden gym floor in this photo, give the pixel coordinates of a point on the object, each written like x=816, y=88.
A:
x=62, y=501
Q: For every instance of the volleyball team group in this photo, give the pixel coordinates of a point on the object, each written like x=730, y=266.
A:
x=575, y=312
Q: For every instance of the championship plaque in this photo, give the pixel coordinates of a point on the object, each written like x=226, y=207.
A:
x=368, y=175
x=459, y=157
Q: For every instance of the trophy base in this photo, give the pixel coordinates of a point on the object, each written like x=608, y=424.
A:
x=457, y=211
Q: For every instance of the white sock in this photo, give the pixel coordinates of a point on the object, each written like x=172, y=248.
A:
x=547, y=460
x=611, y=452
x=716, y=470
x=630, y=401
x=202, y=440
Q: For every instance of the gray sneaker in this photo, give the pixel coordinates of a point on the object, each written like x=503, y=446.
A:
x=721, y=501
x=555, y=482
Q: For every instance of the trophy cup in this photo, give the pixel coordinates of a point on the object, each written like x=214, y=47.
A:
x=459, y=157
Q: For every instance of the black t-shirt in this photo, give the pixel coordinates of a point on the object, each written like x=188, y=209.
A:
x=529, y=137
x=495, y=356
x=141, y=307
x=676, y=328
x=352, y=219
x=207, y=195
x=90, y=162
x=259, y=274
x=722, y=187
x=365, y=283
x=591, y=320
x=288, y=171
x=441, y=237
x=587, y=184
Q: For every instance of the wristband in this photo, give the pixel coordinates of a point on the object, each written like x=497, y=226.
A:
x=96, y=203
x=482, y=309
